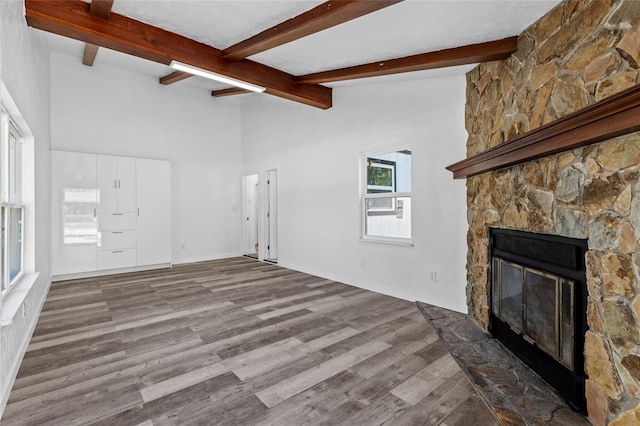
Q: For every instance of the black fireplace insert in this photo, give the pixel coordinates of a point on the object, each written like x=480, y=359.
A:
x=538, y=305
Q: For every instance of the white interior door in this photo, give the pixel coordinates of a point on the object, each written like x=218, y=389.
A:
x=250, y=215
x=272, y=215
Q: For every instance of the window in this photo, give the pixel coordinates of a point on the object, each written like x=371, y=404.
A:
x=386, y=196
x=12, y=211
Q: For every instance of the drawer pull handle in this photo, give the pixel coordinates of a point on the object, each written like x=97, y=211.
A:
x=117, y=251
x=117, y=214
x=117, y=232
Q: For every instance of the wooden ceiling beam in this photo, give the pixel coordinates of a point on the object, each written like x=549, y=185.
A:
x=174, y=77
x=229, y=92
x=101, y=9
x=73, y=19
x=326, y=15
x=464, y=55
x=89, y=55
x=321, y=17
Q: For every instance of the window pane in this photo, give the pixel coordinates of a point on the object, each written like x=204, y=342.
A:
x=15, y=243
x=389, y=172
x=14, y=158
x=388, y=217
x=2, y=248
x=381, y=176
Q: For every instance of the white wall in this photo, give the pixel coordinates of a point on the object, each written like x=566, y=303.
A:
x=113, y=111
x=317, y=156
x=108, y=110
x=24, y=71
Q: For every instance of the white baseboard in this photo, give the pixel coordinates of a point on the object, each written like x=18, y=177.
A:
x=463, y=309
x=207, y=258
x=389, y=291
x=80, y=275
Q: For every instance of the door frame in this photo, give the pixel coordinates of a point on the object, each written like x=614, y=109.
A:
x=246, y=233
x=270, y=223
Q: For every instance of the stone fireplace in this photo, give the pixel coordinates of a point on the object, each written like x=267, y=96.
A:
x=538, y=304
x=578, y=54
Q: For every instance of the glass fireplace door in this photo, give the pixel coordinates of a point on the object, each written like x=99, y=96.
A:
x=537, y=305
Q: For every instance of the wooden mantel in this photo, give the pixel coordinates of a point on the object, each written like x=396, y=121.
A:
x=611, y=117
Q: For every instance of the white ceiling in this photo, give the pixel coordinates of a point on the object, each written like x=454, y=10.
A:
x=406, y=28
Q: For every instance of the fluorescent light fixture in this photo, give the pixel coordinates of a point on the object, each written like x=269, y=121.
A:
x=214, y=76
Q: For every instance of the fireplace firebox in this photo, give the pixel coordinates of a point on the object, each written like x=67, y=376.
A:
x=538, y=305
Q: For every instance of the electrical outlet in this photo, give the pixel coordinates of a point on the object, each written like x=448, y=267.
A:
x=433, y=277
x=183, y=246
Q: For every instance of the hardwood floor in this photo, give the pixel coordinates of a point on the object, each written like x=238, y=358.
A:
x=235, y=342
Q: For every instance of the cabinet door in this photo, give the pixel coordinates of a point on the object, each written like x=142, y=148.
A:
x=116, y=240
x=116, y=259
x=154, y=204
x=108, y=183
x=117, y=221
x=74, y=201
x=126, y=184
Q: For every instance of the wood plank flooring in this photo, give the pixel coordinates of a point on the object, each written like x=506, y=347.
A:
x=235, y=342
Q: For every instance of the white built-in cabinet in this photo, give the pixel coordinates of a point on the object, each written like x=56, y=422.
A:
x=153, y=185
x=117, y=216
x=74, y=227
x=117, y=183
x=109, y=213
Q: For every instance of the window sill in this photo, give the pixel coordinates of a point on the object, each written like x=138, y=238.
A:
x=12, y=301
x=387, y=241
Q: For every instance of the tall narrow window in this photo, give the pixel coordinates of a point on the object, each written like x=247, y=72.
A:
x=386, y=196
x=12, y=216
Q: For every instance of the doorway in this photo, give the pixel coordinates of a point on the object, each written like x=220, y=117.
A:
x=271, y=217
x=250, y=245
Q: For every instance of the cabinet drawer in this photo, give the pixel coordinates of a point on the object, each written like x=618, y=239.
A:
x=116, y=221
x=113, y=240
x=114, y=259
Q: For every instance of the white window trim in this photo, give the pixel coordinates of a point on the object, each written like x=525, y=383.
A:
x=8, y=127
x=13, y=298
x=406, y=242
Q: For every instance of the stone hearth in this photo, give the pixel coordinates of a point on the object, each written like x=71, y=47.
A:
x=579, y=53
x=509, y=388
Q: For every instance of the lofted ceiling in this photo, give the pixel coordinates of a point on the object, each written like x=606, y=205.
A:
x=397, y=29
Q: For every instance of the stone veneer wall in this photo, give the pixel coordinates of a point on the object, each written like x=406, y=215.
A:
x=579, y=53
